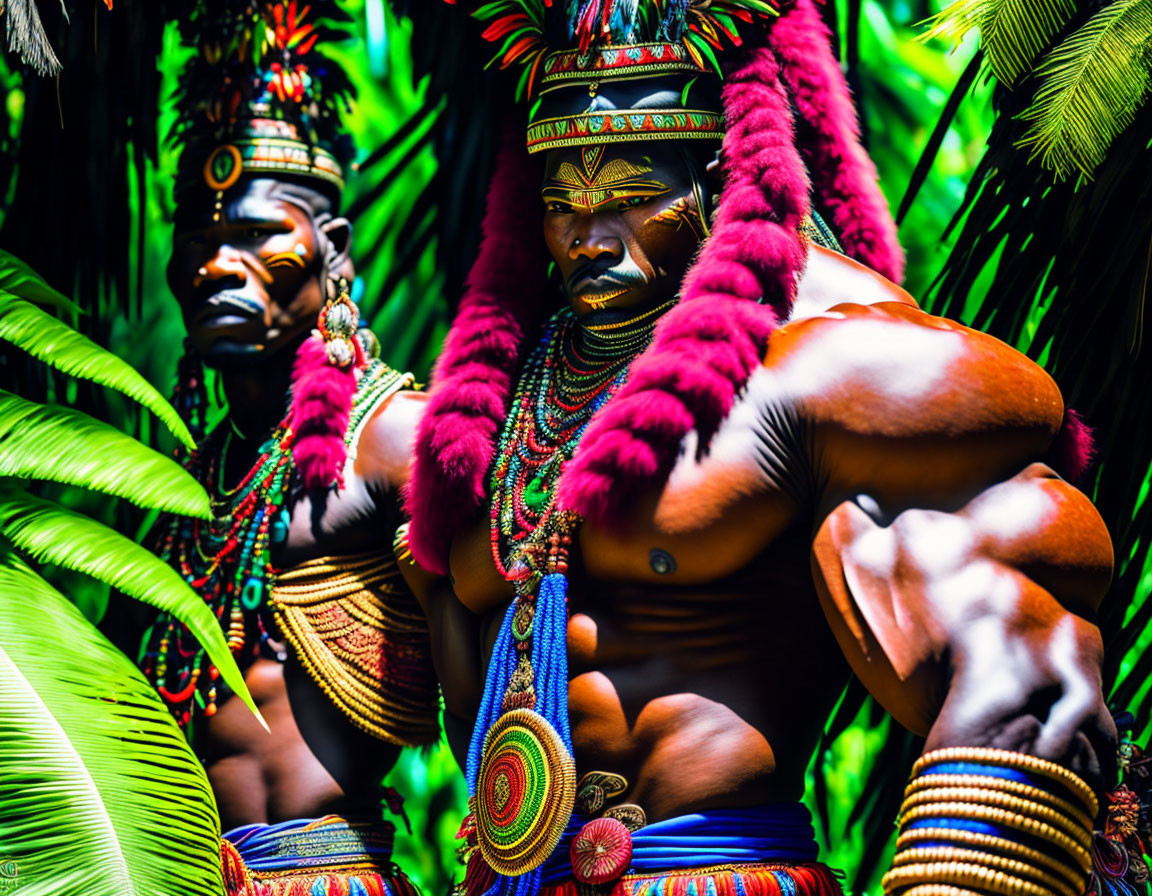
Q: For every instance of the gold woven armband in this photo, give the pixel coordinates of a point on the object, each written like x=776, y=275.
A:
x=983, y=822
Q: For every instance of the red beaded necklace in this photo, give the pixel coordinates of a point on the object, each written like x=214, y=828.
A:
x=571, y=373
x=227, y=560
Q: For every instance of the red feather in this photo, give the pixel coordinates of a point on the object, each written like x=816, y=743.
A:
x=506, y=25
x=517, y=50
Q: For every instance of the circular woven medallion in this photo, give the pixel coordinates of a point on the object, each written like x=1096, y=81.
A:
x=524, y=792
x=601, y=851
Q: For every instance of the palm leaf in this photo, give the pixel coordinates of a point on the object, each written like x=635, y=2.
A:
x=58, y=345
x=1012, y=32
x=53, y=534
x=100, y=794
x=18, y=278
x=27, y=38
x=1090, y=88
x=63, y=445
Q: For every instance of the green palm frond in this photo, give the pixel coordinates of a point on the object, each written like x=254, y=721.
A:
x=67, y=446
x=52, y=534
x=1012, y=32
x=44, y=337
x=18, y=278
x=100, y=794
x=1091, y=86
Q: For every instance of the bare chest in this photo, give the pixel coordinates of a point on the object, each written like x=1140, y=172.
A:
x=717, y=514
x=352, y=519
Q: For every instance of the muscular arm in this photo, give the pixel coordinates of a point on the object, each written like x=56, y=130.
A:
x=960, y=576
x=455, y=637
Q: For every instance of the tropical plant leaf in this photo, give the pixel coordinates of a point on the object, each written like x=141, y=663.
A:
x=1012, y=32
x=939, y=133
x=26, y=37
x=100, y=794
x=67, y=446
x=52, y=534
x=18, y=278
x=58, y=345
x=1090, y=88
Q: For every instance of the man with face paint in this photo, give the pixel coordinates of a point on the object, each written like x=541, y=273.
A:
x=690, y=468
x=304, y=471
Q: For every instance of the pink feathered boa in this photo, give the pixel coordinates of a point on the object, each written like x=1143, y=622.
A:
x=321, y=406
x=703, y=350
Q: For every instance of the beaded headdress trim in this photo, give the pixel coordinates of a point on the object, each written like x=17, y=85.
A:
x=634, y=124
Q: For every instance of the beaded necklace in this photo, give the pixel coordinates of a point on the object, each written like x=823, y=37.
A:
x=227, y=559
x=520, y=772
x=567, y=378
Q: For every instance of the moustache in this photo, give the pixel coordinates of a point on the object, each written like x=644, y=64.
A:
x=229, y=301
x=604, y=277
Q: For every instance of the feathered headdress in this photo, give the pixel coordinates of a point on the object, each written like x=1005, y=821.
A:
x=527, y=29
x=259, y=96
x=790, y=137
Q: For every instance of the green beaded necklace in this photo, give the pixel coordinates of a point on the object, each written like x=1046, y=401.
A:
x=228, y=559
x=567, y=378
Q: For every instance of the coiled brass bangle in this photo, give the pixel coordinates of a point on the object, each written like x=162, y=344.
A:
x=992, y=815
x=964, y=875
x=939, y=890
x=1013, y=867
x=1082, y=861
x=1010, y=802
x=1020, y=761
x=1003, y=785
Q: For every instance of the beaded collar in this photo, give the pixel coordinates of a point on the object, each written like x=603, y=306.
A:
x=521, y=776
x=228, y=559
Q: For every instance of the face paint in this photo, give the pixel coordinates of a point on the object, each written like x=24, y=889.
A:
x=621, y=223
x=683, y=212
x=285, y=259
x=598, y=184
x=247, y=277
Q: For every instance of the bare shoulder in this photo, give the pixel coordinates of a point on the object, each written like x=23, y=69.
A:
x=831, y=279
x=384, y=448
x=888, y=391
x=893, y=368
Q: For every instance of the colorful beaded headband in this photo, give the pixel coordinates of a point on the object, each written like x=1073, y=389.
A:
x=590, y=128
x=605, y=63
x=270, y=155
x=259, y=96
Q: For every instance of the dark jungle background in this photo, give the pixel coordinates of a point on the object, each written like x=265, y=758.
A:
x=85, y=184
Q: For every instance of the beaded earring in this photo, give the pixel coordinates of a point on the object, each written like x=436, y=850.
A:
x=339, y=320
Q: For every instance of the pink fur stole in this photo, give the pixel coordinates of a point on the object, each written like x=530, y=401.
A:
x=704, y=350
x=843, y=176
x=321, y=405
x=506, y=299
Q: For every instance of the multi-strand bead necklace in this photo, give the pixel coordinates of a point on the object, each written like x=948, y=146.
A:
x=521, y=776
x=567, y=378
x=228, y=560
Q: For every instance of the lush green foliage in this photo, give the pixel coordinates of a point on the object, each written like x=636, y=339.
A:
x=67, y=446
x=56, y=344
x=1012, y=32
x=904, y=85
x=99, y=793
x=1091, y=86
x=1090, y=82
